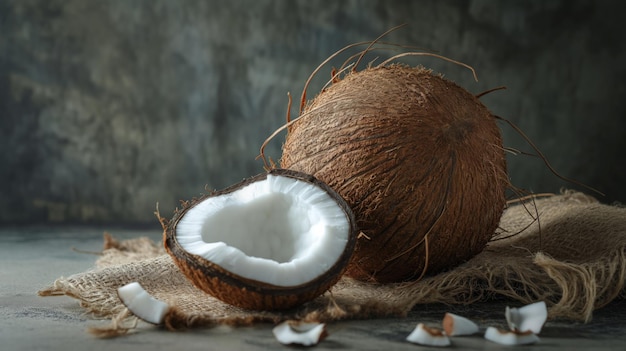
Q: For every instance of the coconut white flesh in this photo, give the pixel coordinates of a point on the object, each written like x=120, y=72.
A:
x=142, y=304
x=305, y=334
x=424, y=335
x=280, y=231
x=455, y=325
x=510, y=338
x=528, y=318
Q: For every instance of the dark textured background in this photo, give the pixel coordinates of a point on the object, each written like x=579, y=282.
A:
x=108, y=107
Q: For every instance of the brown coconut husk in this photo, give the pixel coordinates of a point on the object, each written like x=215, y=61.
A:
x=419, y=160
x=573, y=258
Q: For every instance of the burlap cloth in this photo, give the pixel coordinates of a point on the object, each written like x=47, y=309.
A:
x=574, y=258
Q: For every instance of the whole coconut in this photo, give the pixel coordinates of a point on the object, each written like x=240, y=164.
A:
x=419, y=160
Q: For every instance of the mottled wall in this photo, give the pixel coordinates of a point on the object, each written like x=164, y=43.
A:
x=108, y=107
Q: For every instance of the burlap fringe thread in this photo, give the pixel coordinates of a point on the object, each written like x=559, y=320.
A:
x=574, y=258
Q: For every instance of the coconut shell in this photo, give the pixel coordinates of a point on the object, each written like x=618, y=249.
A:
x=416, y=157
x=248, y=293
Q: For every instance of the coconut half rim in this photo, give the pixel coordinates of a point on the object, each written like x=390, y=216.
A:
x=278, y=233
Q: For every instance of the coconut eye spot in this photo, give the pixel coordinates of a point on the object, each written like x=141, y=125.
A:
x=281, y=231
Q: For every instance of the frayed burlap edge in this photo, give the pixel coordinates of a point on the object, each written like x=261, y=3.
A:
x=574, y=258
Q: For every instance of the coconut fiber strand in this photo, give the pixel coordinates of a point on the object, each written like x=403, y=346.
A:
x=574, y=258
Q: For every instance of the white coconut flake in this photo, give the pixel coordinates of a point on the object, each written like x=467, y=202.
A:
x=509, y=337
x=299, y=333
x=299, y=231
x=427, y=336
x=142, y=304
x=528, y=318
x=455, y=325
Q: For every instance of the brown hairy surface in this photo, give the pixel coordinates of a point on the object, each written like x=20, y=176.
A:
x=418, y=159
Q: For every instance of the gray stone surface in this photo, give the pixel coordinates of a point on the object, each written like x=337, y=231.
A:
x=32, y=258
x=108, y=107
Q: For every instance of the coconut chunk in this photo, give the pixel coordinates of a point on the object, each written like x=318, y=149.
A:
x=142, y=304
x=299, y=333
x=455, y=325
x=528, y=318
x=510, y=337
x=428, y=336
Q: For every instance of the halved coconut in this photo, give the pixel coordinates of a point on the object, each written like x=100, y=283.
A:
x=273, y=241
